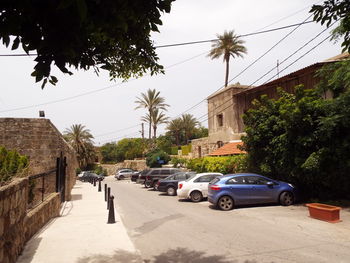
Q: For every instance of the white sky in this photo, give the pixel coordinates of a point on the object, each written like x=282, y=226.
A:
x=110, y=110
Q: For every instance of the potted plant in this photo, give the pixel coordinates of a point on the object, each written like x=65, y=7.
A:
x=324, y=212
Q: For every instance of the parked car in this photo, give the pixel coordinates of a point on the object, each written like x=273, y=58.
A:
x=86, y=175
x=242, y=189
x=169, y=184
x=125, y=173
x=196, y=188
x=142, y=176
x=155, y=174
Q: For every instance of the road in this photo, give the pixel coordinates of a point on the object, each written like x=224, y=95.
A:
x=165, y=229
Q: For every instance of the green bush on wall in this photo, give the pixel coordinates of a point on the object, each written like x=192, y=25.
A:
x=186, y=149
x=11, y=164
x=225, y=164
x=174, y=150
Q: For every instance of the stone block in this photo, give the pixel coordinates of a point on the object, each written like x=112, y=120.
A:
x=2, y=227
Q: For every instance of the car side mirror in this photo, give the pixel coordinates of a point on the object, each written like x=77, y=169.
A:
x=269, y=184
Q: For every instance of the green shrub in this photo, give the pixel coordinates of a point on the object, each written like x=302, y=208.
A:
x=174, y=150
x=99, y=170
x=186, y=149
x=157, y=158
x=11, y=164
x=225, y=164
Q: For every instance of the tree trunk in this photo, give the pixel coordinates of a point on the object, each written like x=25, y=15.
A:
x=227, y=70
x=154, y=131
x=150, y=125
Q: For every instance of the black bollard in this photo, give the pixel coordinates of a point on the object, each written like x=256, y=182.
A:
x=94, y=181
x=111, y=217
x=108, y=196
x=99, y=185
x=105, y=192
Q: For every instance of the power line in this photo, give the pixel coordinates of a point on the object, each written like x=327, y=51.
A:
x=243, y=35
x=93, y=91
x=191, y=42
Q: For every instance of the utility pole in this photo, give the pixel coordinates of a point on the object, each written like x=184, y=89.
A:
x=142, y=130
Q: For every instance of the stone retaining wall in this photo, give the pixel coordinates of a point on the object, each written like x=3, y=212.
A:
x=17, y=225
x=138, y=165
x=40, y=140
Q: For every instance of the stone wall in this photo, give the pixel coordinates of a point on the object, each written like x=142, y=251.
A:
x=138, y=165
x=42, y=142
x=17, y=225
x=202, y=147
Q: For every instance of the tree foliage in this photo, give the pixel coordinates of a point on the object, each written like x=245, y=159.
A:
x=152, y=102
x=303, y=139
x=111, y=35
x=335, y=10
x=125, y=149
x=80, y=139
x=228, y=45
x=157, y=158
x=185, y=128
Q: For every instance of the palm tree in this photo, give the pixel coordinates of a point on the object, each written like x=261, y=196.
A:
x=156, y=118
x=80, y=139
x=189, y=124
x=227, y=45
x=175, y=129
x=151, y=101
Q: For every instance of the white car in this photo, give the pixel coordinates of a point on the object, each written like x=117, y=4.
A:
x=195, y=188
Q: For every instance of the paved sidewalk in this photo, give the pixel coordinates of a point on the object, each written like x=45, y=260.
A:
x=81, y=234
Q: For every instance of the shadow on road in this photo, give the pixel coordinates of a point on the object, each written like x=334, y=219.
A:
x=178, y=255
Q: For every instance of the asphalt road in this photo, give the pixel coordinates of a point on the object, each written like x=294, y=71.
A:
x=165, y=229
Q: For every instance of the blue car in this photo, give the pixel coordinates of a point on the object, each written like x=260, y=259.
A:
x=243, y=189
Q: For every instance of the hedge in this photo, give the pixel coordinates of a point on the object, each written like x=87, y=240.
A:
x=11, y=164
x=174, y=150
x=224, y=165
x=186, y=149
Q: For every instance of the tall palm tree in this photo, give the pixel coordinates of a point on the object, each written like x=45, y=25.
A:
x=151, y=101
x=175, y=129
x=80, y=139
x=156, y=118
x=189, y=124
x=228, y=45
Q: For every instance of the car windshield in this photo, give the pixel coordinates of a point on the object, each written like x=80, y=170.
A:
x=144, y=172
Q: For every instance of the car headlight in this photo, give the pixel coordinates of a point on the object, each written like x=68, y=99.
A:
x=291, y=185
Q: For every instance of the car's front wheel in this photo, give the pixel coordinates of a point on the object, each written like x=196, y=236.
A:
x=286, y=198
x=171, y=190
x=196, y=196
x=225, y=203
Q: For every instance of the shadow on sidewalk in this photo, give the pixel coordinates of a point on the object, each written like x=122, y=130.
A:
x=28, y=254
x=181, y=255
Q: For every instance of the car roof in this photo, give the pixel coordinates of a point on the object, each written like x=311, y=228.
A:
x=201, y=174
x=241, y=174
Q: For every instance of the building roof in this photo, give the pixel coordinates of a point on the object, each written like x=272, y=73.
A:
x=228, y=149
x=238, y=87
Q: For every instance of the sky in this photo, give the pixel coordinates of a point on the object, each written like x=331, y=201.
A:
x=107, y=108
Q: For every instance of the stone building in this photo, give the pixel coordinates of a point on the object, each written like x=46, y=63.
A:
x=227, y=106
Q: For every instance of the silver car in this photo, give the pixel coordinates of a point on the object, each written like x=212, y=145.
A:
x=125, y=174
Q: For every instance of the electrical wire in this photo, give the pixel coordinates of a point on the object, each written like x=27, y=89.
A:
x=191, y=42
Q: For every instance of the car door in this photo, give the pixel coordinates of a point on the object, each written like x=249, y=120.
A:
x=260, y=191
x=239, y=189
x=203, y=182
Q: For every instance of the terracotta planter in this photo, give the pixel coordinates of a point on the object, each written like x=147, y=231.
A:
x=324, y=212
